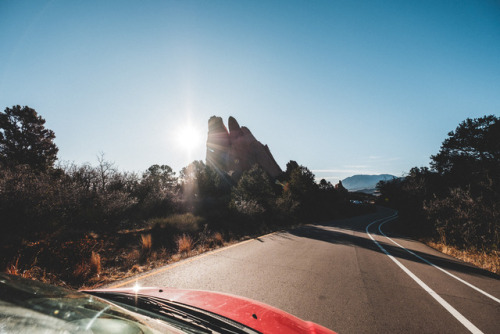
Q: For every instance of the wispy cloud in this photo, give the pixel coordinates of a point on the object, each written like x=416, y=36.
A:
x=331, y=170
x=379, y=158
x=346, y=171
x=332, y=178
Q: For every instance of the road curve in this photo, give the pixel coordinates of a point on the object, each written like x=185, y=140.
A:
x=349, y=275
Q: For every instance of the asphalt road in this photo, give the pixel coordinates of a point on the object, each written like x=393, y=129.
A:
x=347, y=276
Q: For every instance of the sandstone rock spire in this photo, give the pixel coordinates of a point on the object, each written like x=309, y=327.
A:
x=237, y=150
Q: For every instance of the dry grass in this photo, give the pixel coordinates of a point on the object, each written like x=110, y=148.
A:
x=146, y=245
x=218, y=238
x=88, y=269
x=159, y=255
x=13, y=268
x=136, y=269
x=95, y=263
x=488, y=261
x=130, y=258
x=185, y=222
x=33, y=272
x=99, y=259
x=184, y=244
x=80, y=270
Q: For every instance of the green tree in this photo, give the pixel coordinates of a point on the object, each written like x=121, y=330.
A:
x=162, y=178
x=457, y=200
x=302, y=184
x=204, y=189
x=302, y=189
x=473, y=148
x=157, y=191
x=254, y=192
x=24, y=140
x=201, y=180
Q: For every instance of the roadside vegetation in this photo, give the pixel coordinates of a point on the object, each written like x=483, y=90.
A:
x=455, y=204
x=86, y=224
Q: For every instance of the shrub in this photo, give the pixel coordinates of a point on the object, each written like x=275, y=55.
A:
x=218, y=238
x=166, y=229
x=184, y=223
x=465, y=221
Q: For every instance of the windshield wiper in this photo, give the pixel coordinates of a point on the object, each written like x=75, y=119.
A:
x=205, y=321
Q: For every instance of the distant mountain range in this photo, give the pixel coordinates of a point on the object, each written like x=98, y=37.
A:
x=365, y=183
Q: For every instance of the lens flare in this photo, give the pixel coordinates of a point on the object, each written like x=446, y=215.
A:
x=188, y=137
x=136, y=287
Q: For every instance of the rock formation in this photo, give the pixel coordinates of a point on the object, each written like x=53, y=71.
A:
x=237, y=150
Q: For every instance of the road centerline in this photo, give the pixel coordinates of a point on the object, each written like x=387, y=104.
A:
x=437, y=267
x=464, y=321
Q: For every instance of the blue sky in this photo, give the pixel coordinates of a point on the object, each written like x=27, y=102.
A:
x=342, y=87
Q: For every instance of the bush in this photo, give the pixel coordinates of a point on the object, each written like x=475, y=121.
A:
x=185, y=222
x=464, y=221
x=165, y=230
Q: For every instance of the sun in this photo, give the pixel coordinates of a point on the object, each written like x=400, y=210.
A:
x=188, y=137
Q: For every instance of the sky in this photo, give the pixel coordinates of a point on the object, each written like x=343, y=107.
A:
x=341, y=87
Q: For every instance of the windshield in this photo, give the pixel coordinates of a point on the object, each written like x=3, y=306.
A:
x=32, y=306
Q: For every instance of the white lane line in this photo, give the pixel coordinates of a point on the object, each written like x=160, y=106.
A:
x=437, y=267
x=469, y=325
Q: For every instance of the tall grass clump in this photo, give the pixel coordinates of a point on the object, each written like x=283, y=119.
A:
x=89, y=268
x=166, y=230
x=95, y=263
x=13, y=268
x=184, y=244
x=146, y=245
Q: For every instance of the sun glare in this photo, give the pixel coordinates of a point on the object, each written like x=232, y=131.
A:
x=136, y=287
x=188, y=137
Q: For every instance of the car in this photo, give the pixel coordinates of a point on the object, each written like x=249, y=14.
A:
x=31, y=307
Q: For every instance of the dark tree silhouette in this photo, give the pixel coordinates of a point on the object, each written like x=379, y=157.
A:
x=24, y=140
x=254, y=192
x=457, y=201
x=157, y=191
x=473, y=147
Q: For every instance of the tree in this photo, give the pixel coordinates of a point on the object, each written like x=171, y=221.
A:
x=302, y=189
x=162, y=178
x=325, y=185
x=204, y=181
x=106, y=171
x=302, y=184
x=340, y=188
x=254, y=192
x=473, y=147
x=157, y=190
x=457, y=200
x=24, y=140
x=290, y=167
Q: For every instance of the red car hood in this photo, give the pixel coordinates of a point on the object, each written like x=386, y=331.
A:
x=256, y=315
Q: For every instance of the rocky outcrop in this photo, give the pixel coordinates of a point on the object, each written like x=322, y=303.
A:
x=237, y=150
